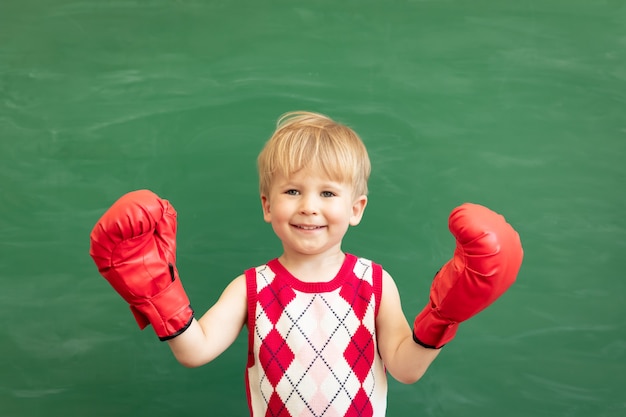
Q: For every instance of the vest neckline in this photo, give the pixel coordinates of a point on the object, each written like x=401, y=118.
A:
x=312, y=287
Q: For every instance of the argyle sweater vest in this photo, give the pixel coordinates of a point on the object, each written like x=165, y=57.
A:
x=312, y=348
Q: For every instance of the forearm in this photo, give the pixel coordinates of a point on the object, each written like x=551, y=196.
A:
x=191, y=348
x=215, y=331
x=405, y=360
x=410, y=361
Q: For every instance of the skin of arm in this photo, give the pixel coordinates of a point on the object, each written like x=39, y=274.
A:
x=405, y=360
x=216, y=330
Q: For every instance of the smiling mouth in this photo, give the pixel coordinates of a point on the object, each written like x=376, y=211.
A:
x=304, y=227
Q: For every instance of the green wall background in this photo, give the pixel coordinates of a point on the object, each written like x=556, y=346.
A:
x=516, y=105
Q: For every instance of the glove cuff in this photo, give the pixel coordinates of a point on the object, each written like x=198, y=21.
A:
x=169, y=312
x=432, y=331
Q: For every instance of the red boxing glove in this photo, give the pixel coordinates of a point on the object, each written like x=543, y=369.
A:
x=134, y=247
x=486, y=261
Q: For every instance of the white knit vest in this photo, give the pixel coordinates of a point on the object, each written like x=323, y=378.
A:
x=312, y=346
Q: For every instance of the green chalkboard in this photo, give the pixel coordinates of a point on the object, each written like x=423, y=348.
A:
x=520, y=106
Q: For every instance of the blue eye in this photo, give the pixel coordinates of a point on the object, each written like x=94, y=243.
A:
x=328, y=194
x=291, y=192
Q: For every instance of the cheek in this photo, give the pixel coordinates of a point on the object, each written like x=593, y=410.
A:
x=340, y=214
x=278, y=211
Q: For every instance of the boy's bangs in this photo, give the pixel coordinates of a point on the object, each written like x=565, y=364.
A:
x=322, y=155
x=309, y=141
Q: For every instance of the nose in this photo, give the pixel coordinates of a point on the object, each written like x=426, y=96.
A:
x=309, y=204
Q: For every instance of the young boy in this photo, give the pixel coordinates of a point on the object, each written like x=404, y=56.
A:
x=324, y=326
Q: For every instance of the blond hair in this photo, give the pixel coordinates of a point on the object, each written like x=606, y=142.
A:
x=311, y=140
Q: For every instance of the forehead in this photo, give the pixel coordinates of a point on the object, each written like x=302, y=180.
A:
x=309, y=177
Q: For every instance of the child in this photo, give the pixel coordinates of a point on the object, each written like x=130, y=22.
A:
x=324, y=326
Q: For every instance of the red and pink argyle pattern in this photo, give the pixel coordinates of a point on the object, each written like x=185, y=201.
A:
x=312, y=346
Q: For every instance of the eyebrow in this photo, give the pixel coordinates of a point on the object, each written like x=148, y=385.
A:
x=323, y=184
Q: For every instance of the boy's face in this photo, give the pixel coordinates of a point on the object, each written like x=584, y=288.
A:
x=310, y=213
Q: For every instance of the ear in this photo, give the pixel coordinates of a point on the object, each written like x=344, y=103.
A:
x=358, y=207
x=265, y=204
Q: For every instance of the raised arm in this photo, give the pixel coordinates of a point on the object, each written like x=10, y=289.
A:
x=486, y=260
x=133, y=245
x=217, y=329
x=405, y=360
